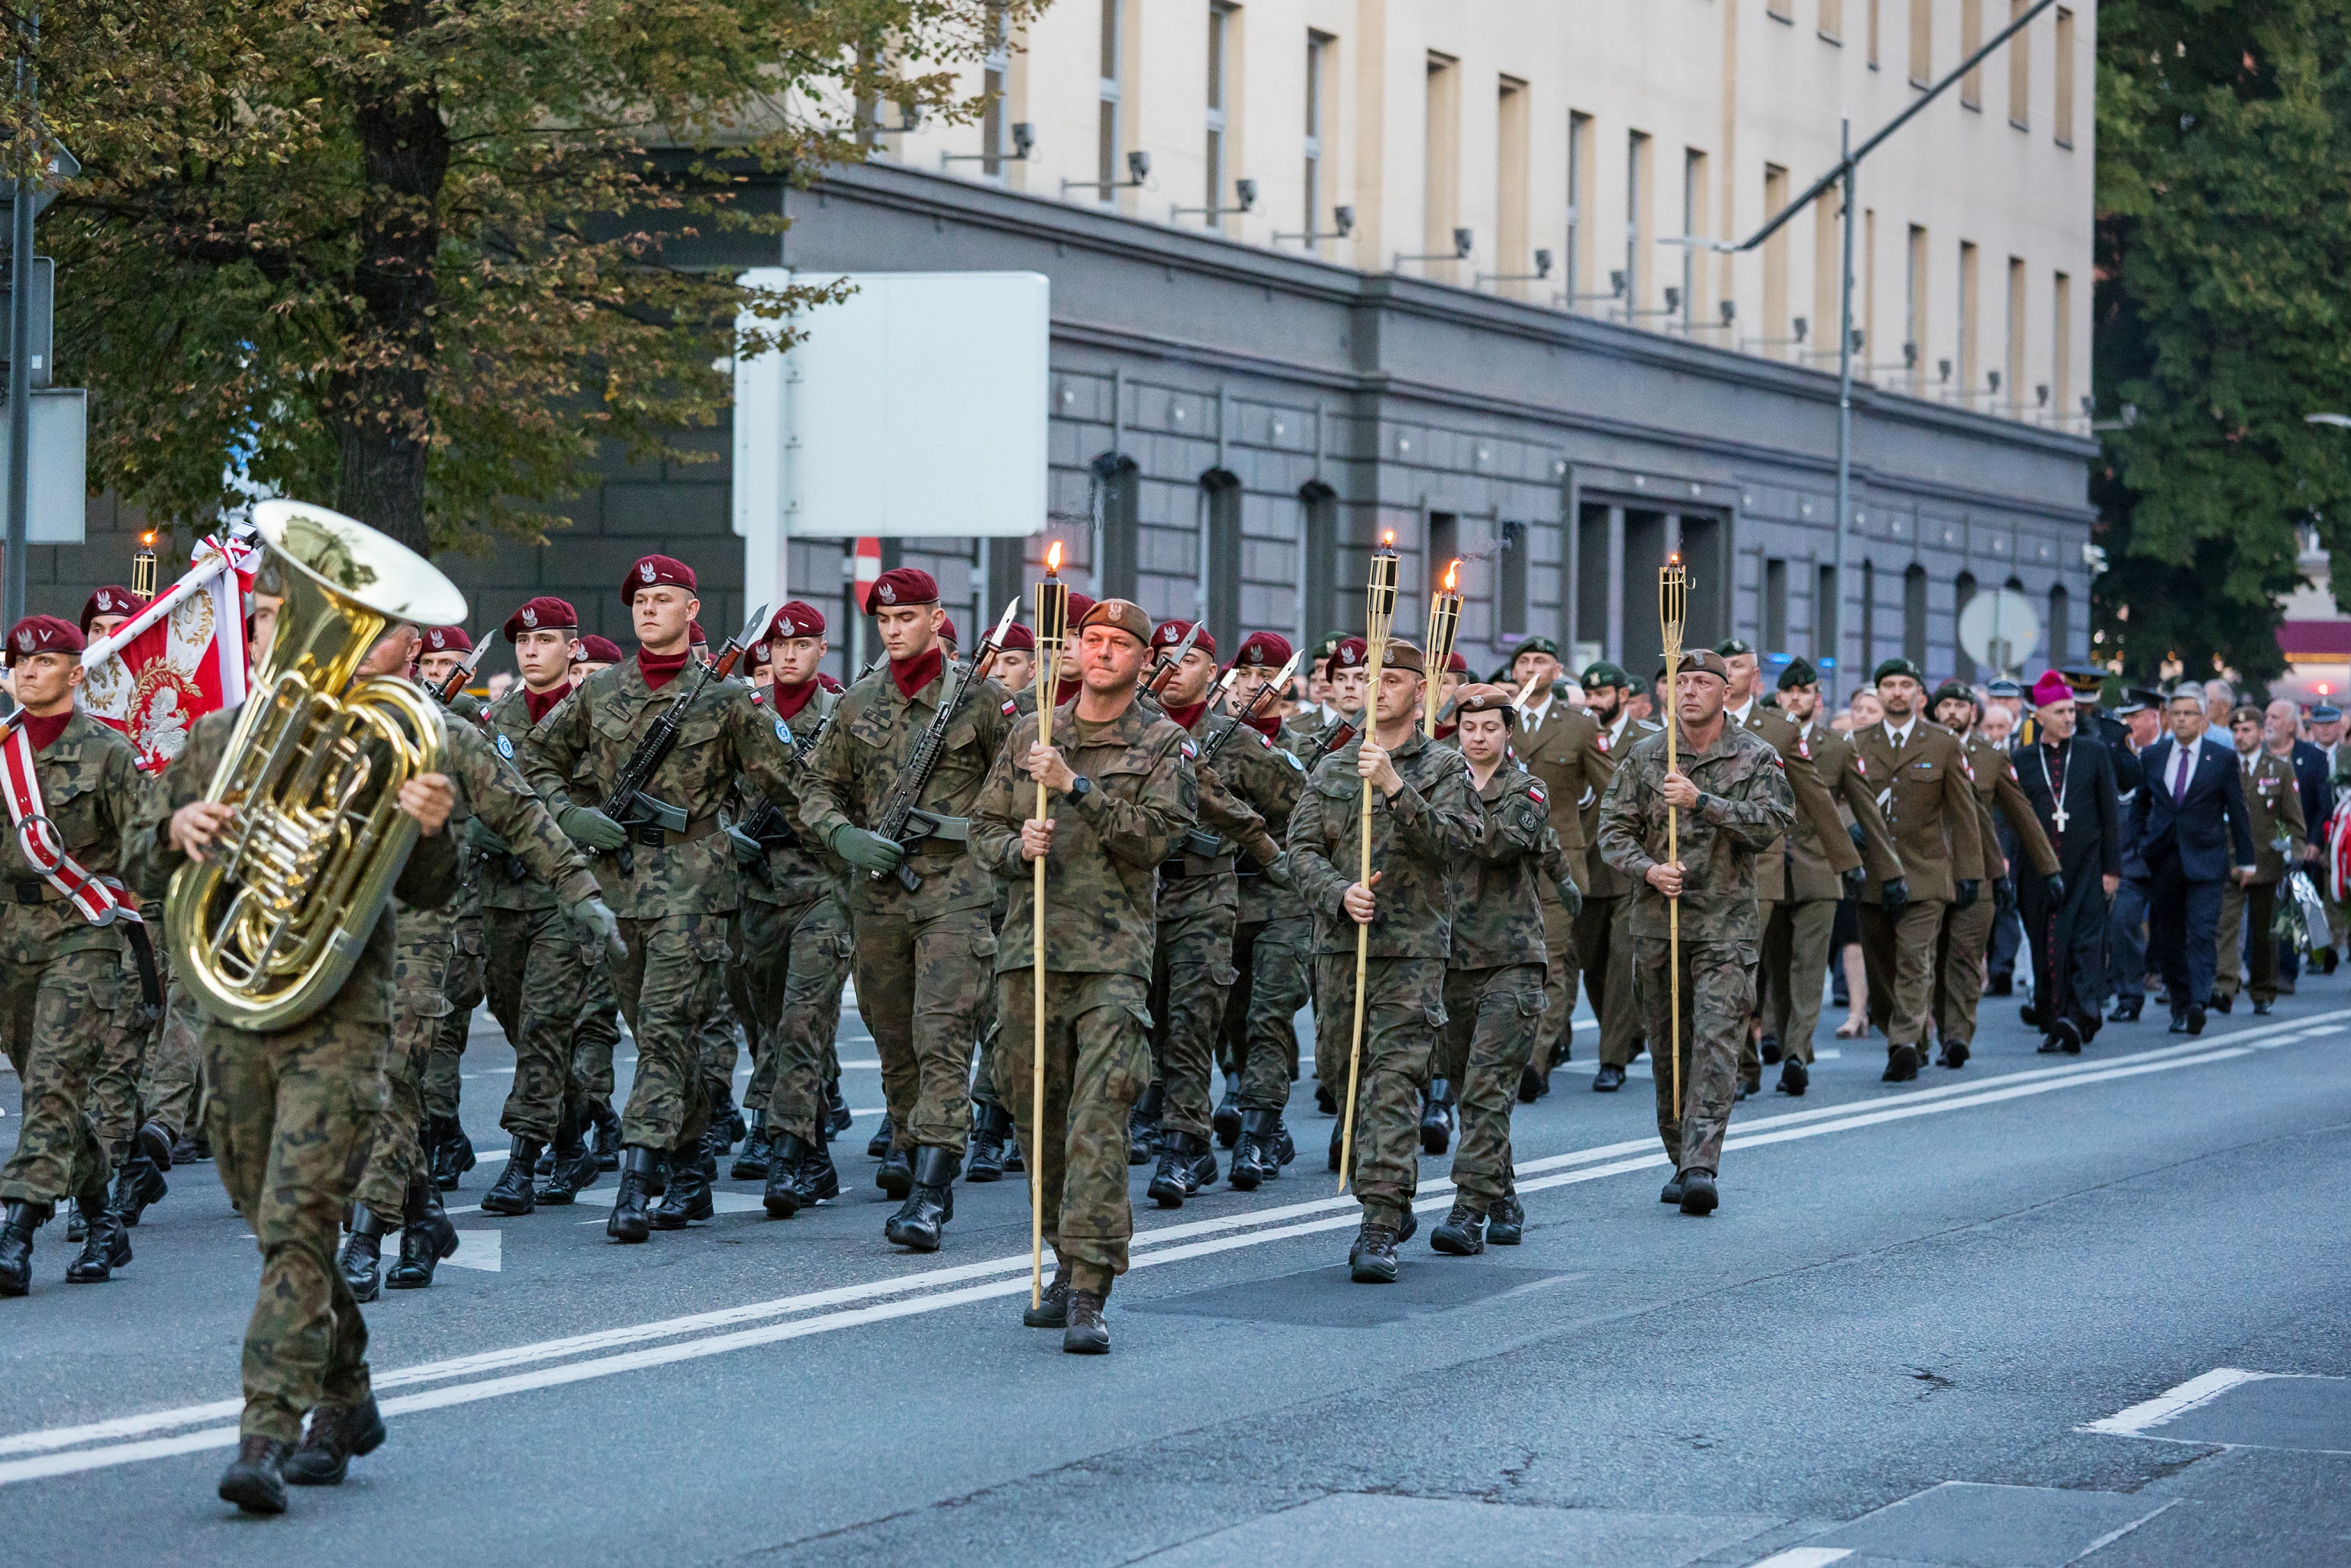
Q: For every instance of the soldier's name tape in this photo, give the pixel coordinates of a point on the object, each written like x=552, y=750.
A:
x=59, y=1450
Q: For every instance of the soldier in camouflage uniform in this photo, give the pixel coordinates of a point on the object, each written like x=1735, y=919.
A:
x=1424, y=816
x=1494, y=1002
x=1199, y=898
x=1562, y=745
x=1604, y=936
x=293, y=1114
x=1273, y=937
x=924, y=954
x=61, y=960
x=1732, y=799
x=673, y=886
x=1315, y=735
x=796, y=940
x=1124, y=796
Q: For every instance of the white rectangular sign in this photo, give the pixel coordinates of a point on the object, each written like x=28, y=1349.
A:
x=59, y=491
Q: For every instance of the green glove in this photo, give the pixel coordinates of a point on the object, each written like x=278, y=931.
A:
x=595, y=916
x=747, y=848
x=586, y=825
x=866, y=850
x=479, y=837
x=1571, y=897
x=1277, y=872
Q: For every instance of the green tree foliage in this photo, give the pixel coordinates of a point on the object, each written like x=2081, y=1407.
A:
x=417, y=258
x=2223, y=314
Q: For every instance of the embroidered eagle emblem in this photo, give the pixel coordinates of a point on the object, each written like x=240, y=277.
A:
x=647, y=571
x=886, y=594
x=530, y=617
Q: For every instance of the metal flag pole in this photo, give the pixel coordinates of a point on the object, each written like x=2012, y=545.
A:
x=1379, y=612
x=1673, y=609
x=1052, y=632
x=1443, y=621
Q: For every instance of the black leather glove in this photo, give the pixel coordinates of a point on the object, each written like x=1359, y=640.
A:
x=2056, y=885
x=1857, y=882
x=1896, y=897
x=2003, y=893
x=1967, y=891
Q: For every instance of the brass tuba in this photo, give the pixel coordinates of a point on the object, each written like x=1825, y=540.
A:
x=269, y=926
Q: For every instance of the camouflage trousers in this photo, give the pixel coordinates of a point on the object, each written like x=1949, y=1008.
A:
x=420, y=1008
x=717, y=1042
x=1260, y=1030
x=1404, y=1012
x=668, y=986
x=56, y=1016
x=983, y=1071
x=918, y=987
x=1717, y=988
x=1494, y=1021
x=172, y=1087
x=1097, y=1065
x=464, y=986
x=797, y=956
x=1898, y=959
x=596, y=1036
x=535, y=973
x=1562, y=963
x=1959, y=968
x=1191, y=976
x=122, y=1059
x=292, y=1117
x=1795, y=966
x=1603, y=942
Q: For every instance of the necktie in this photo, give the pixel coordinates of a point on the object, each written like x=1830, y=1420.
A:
x=2179, y=775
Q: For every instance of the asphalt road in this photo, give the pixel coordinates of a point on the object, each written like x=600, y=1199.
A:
x=2042, y=1311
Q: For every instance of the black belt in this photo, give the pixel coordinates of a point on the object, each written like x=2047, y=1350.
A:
x=1170, y=870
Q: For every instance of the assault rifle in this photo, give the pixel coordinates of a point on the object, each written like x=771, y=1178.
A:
x=1163, y=667
x=459, y=678
x=1250, y=710
x=900, y=821
x=627, y=802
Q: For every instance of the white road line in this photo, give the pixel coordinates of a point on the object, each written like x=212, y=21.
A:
x=1152, y=1247
x=2172, y=1403
x=2111, y=1536
x=1807, y=1557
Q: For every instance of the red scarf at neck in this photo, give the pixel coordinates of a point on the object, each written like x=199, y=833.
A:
x=1188, y=714
x=43, y=729
x=538, y=705
x=791, y=699
x=660, y=669
x=912, y=675
x=1265, y=723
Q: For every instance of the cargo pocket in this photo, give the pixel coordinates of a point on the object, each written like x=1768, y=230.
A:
x=1130, y=1074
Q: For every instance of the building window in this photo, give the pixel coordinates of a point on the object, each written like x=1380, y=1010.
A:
x=1441, y=177
x=1694, y=221
x=2061, y=346
x=1875, y=5
x=1222, y=568
x=1775, y=262
x=1638, y=222
x=1220, y=26
x=1967, y=322
x=1971, y=40
x=1119, y=500
x=1775, y=607
x=2061, y=121
x=1913, y=309
x=1513, y=245
x=1579, y=183
x=1318, y=62
x=1510, y=584
x=1922, y=43
x=1828, y=281
x=2061, y=625
x=2020, y=69
x=1107, y=135
x=1318, y=576
x=1914, y=614
x=1963, y=593
x=1833, y=20
x=2015, y=367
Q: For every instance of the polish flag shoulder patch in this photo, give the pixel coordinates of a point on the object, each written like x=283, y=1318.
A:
x=1534, y=793
x=1190, y=751
x=1012, y=708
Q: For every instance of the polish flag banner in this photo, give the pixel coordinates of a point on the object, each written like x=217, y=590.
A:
x=182, y=657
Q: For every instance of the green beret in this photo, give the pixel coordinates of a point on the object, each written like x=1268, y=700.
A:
x=1534, y=645
x=1731, y=647
x=1799, y=672
x=1603, y=673
x=1637, y=685
x=1949, y=691
x=1897, y=667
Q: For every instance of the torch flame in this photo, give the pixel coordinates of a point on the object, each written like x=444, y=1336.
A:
x=1452, y=575
x=1053, y=558
x=1388, y=537
x=1674, y=559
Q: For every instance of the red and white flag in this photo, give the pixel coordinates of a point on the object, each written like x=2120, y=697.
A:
x=182, y=657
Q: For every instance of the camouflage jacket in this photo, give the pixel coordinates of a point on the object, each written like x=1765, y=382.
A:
x=848, y=780
x=490, y=786
x=1432, y=822
x=577, y=751
x=1744, y=805
x=1102, y=877
x=427, y=880
x=91, y=790
x=798, y=866
x=1499, y=887
x=1197, y=876
x=1270, y=778
x=507, y=882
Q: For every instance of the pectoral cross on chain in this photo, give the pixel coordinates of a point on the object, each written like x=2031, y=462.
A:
x=2058, y=816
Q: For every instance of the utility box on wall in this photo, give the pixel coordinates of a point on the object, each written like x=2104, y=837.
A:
x=915, y=407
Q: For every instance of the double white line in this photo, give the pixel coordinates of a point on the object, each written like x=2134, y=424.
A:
x=519, y=1369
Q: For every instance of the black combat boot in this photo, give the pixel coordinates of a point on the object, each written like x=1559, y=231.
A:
x=928, y=1208
x=895, y=1175
x=108, y=1246
x=725, y=1118
x=1506, y=1222
x=884, y=1138
x=1794, y=1076
x=688, y=1198
x=453, y=1151
x=425, y=1236
x=1436, y=1117
x=336, y=1435
x=608, y=1134
x=1258, y=1158
x=631, y=1222
x=1901, y=1064
x=512, y=1194
x=77, y=1222
x=18, y=1220
x=1371, y=1260
x=255, y=1479
x=1177, y=1177
x=361, y=1260
x=1768, y=1047
x=1672, y=1191
x=1324, y=1100
x=1086, y=1334
x=1052, y=1308
x=991, y=1125
x=1698, y=1196
x=751, y=1161
x=1608, y=1080
x=1338, y=1140
x=817, y=1180
x=1532, y=1084
x=1015, y=1162
x=836, y=1111
x=782, y=1197
x=575, y=1165
x=1226, y=1123
x=1463, y=1232
x=139, y=1182
x=1142, y=1125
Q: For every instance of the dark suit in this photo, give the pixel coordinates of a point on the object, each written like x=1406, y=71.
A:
x=2126, y=926
x=2314, y=774
x=2069, y=938
x=2193, y=839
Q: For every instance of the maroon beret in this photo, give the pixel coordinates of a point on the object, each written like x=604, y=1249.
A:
x=1262, y=651
x=595, y=650
x=447, y=639
x=797, y=618
x=43, y=634
x=1350, y=655
x=656, y=571
x=1078, y=604
x=1170, y=632
x=948, y=631
x=111, y=599
x=696, y=637
x=1019, y=638
x=902, y=586
x=1454, y=664
x=545, y=613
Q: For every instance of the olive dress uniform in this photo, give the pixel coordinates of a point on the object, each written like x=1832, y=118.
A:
x=2273, y=814
x=1920, y=776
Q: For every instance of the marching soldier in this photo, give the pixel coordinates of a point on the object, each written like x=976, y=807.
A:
x=1494, y=1003
x=923, y=941
x=1796, y=936
x=1603, y=942
x=1927, y=795
x=73, y=791
x=2273, y=813
x=1732, y=802
x=1124, y=796
x=669, y=875
x=293, y=1114
x=1561, y=745
x=1424, y=817
x=1967, y=933
x=1065, y=681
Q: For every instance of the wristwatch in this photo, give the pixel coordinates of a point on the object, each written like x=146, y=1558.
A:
x=1081, y=787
